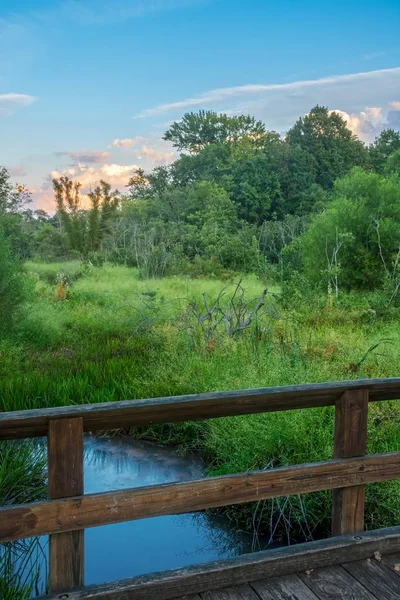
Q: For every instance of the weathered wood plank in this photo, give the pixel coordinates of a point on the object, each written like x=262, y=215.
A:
x=351, y=417
x=241, y=592
x=334, y=583
x=244, y=569
x=91, y=510
x=289, y=587
x=392, y=561
x=375, y=577
x=112, y=415
x=65, y=474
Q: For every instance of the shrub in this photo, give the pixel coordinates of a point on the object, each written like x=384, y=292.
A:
x=13, y=284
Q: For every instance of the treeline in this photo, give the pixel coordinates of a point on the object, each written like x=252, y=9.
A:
x=318, y=202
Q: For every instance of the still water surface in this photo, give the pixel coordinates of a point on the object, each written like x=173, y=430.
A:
x=134, y=548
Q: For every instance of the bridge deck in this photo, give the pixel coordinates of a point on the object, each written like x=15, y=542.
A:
x=369, y=579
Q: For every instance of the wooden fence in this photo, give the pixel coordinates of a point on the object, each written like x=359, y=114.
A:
x=68, y=511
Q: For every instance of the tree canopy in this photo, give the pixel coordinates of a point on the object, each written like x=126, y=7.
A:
x=324, y=134
x=195, y=131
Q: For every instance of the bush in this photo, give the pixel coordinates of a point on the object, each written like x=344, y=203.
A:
x=13, y=284
x=355, y=242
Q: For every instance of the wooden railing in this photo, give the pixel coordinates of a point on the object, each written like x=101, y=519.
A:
x=68, y=511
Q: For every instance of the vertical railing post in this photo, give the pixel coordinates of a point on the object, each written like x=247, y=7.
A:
x=65, y=472
x=350, y=441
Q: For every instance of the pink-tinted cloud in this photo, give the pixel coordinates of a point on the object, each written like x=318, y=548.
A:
x=157, y=152
x=157, y=156
x=17, y=171
x=127, y=142
x=369, y=123
x=117, y=176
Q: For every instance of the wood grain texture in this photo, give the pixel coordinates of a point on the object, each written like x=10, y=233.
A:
x=392, y=561
x=112, y=415
x=91, y=510
x=244, y=569
x=376, y=578
x=284, y=588
x=65, y=473
x=351, y=418
x=334, y=583
x=241, y=592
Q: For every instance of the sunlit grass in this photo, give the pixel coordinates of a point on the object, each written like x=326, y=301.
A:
x=119, y=337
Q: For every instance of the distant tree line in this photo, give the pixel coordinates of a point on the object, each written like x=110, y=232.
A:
x=317, y=202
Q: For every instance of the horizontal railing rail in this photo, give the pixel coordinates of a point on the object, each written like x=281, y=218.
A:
x=92, y=510
x=68, y=511
x=115, y=415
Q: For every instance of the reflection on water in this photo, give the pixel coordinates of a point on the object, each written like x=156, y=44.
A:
x=127, y=549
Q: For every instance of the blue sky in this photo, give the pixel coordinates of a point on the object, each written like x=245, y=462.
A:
x=87, y=87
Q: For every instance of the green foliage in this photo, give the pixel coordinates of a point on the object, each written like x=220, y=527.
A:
x=121, y=337
x=85, y=229
x=326, y=137
x=195, y=131
x=13, y=285
x=393, y=163
x=22, y=479
x=382, y=147
x=363, y=223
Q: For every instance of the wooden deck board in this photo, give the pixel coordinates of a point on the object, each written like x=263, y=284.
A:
x=284, y=588
x=331, y=583
x=379, y=579
x=392, y=561
x=242, y=592
x=367, y=579
x=319, y=570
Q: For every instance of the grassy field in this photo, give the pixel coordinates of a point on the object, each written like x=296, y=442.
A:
x=108, y=335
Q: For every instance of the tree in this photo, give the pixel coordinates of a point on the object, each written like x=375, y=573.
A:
x=12, y=198
x=383, y=146
x=195, y=131
x=357, y=238
x=85, y=229
x=325, y=136
x=393, y=163
x=12, y=284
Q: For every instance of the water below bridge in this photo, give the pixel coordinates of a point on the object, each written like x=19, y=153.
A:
x=124, y=550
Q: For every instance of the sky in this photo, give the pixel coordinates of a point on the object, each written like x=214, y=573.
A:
x=88, y=87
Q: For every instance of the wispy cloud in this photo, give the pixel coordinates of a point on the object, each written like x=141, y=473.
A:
x=279, y=105
x=86, y=156
x=9, y=103
x=100, y=11
x=374, y=55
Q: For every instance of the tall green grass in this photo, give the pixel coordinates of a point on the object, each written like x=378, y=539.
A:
x=117, y=337
x=22, y=479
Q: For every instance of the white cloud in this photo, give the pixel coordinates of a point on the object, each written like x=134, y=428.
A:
x=369, y=123
x=9, y=103
x=86, y=156
x=157, y=152
x=117, y=175
x=127, y=142
x=279, y=105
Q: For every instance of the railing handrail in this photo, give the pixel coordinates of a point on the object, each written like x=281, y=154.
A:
x=119, y=414
x=130, y=504
x=68, y=511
